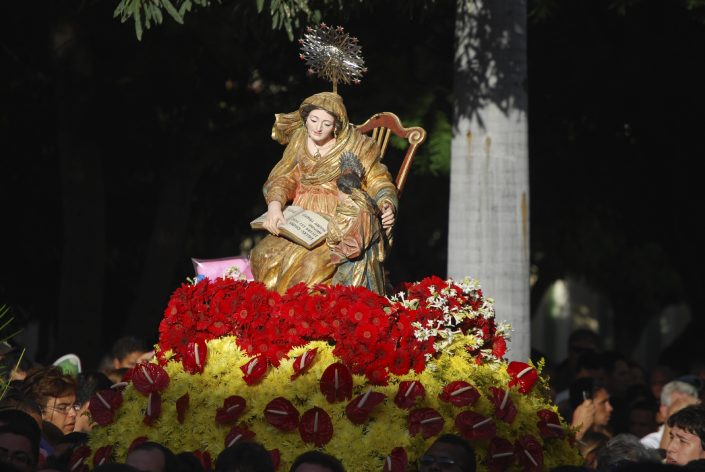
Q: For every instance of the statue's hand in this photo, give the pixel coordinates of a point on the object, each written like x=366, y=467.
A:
x=275, y=218
x=388, y=218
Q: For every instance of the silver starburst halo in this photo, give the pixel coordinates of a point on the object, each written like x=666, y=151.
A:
x=332, y=54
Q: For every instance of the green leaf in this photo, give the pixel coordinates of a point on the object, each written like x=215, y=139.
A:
x=136, y=14
x=169, y=7
x=260, y=6
x=186, y=6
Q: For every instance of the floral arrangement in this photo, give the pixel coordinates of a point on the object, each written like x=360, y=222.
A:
x=371, y=380
x=373, y=335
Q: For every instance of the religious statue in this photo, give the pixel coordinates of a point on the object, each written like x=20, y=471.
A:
x=316, y=136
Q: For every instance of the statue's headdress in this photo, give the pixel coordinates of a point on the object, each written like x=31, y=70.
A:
x=332, y=54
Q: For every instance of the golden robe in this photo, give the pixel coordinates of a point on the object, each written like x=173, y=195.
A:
x=309, y=182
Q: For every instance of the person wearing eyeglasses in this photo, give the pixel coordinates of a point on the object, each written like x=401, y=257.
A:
x=56, y=394
x=449, y=453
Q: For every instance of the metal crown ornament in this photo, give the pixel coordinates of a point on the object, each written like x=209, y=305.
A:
x=332, y=54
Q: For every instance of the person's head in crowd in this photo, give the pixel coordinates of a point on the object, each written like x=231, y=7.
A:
x=116, y=375
x=188, y=462
x=244, y=456
x=674, y=395
x=56, y=395
x=616, y=372
x=114, y=467
x=448, y=452
x=590, y=445
x=591, y=405
x=15, y=399
x=87, y=384
x=67, y=443
x=151, y=457
x=316, y=461
x=660, y=375
x=19, y=443
x=128, y=351
x=590, y=365
x=637, y=374
x=581, y=341
x=642, y=418
x=623, y=449
x=686, y=436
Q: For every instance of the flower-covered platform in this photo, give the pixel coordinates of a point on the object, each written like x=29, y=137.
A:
x=369, y=379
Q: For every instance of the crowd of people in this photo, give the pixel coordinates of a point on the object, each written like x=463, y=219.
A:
x=624, y=417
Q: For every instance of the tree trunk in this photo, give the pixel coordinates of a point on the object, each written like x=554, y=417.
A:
x=489, y=185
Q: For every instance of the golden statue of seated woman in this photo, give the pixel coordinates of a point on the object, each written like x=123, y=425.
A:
x=315, y=135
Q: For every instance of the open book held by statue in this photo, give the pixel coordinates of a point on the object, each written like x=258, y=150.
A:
x=361, y=218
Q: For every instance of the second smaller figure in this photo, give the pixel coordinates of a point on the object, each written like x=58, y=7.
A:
x=355, y=237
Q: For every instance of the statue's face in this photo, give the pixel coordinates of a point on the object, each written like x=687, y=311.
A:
x=320, y=125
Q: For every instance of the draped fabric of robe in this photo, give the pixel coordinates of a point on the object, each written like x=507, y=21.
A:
x=356, y=244
x=308, y=181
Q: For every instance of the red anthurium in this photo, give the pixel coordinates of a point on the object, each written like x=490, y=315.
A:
x=504, y=408
x=409, y=391
x=316, y=427
x=204, y=457
x=336, y=383
x=154, y=408
x=181, y=407
x=361, y=406
x=233, y=407
x=500, y=455
x=103, y=405
x=426, y=420
x=529, y=453
x=474, y=426
x=149, y=378
x=79, y=459
x=194, y=359
x=236, y=434
x=254, y=370
x=459, y=393
x=102, y=456
x=303, y=362
x=397, y=461
x=276, y=458
x=523, y=375
x=136, y=442
x=281, y=414
x=550, y=425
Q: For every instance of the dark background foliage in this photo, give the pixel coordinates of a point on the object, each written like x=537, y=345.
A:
x=124, y=159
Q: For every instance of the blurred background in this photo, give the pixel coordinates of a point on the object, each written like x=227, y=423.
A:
x=123, y=159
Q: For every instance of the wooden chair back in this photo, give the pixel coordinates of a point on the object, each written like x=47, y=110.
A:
x=381, y=126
